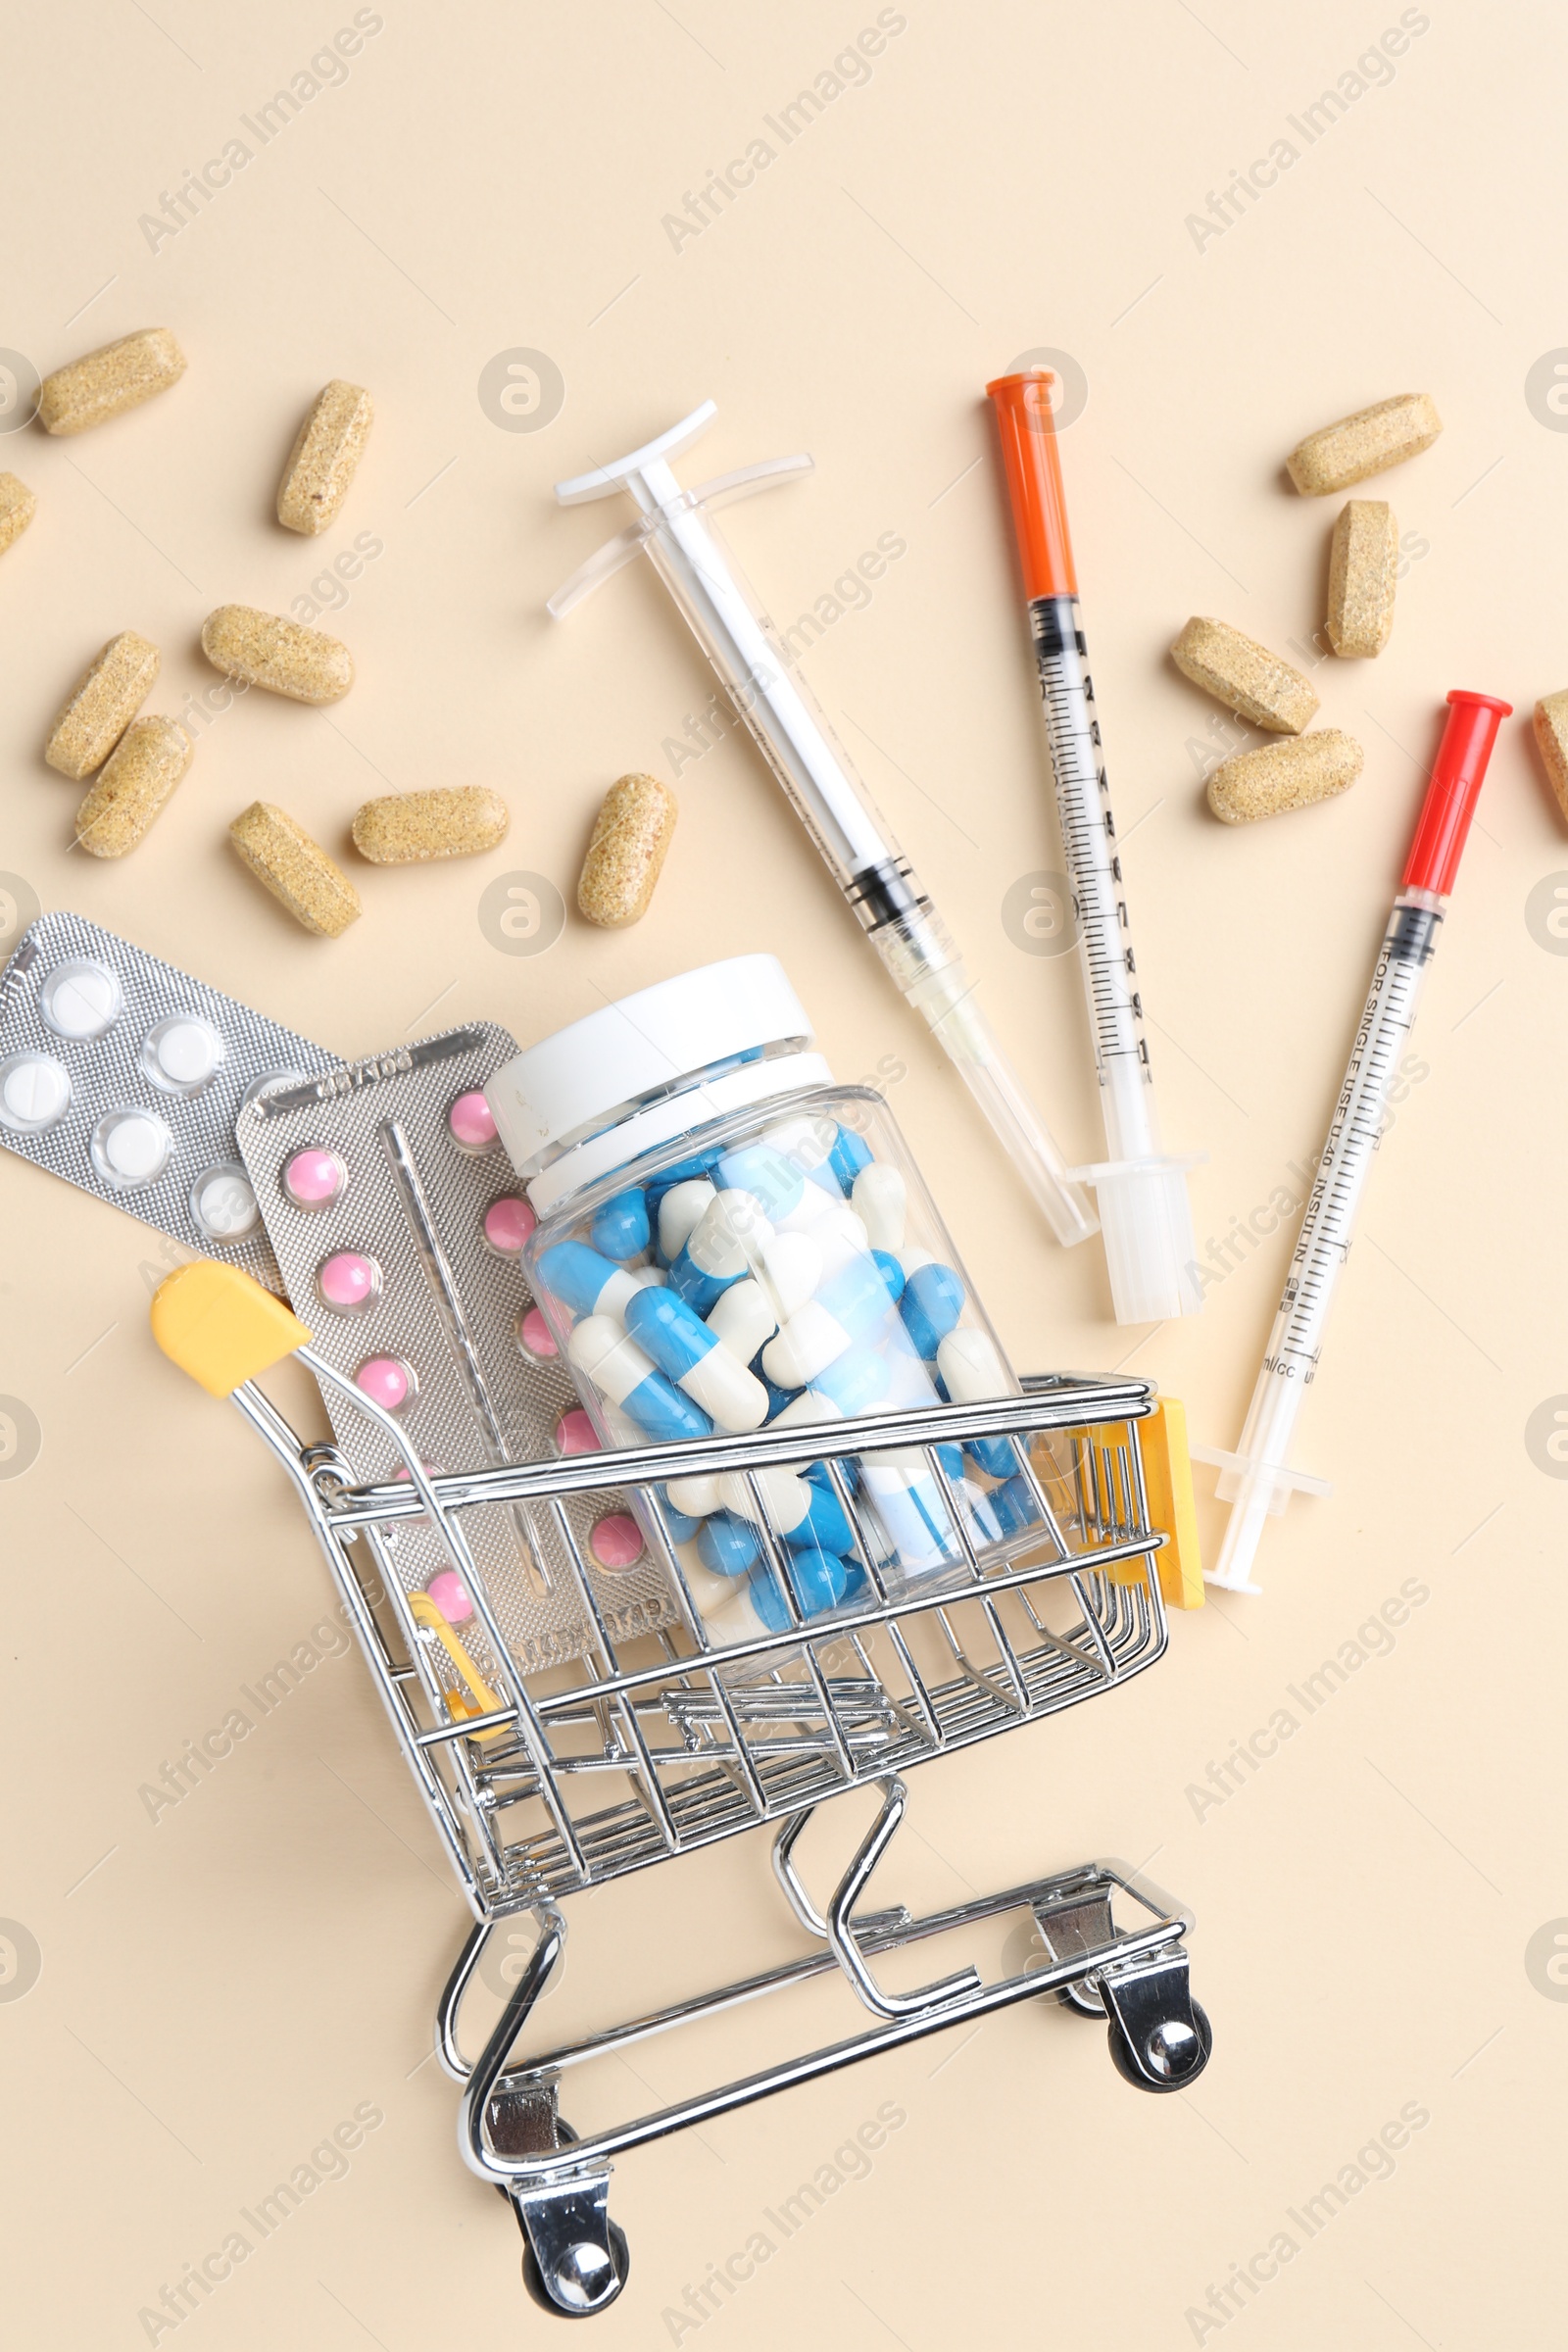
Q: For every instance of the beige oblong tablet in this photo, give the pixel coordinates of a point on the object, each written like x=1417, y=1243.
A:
x=326, y=450
x=281, y=655
x=102, y=705
x=1551, y=740
x=108, y=382
x=408, y=828
x=297, y=870
x=627, y=849
x=141, y=773
x=1283, y=776
x=1369, y=442
x=18, y=507
x=1364, y=564
x=1245, y=676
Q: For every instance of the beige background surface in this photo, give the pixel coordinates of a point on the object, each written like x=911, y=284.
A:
x=221, y=1989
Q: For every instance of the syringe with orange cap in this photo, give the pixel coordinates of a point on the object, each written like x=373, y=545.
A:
x=1140, y=1192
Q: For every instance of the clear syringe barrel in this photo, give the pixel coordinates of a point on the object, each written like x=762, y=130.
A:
x=1257, y=1480
x=1141, y=1194
x=1253, y=1483
x=795, y=737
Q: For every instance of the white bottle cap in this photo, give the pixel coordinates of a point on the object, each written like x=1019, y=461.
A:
x=586, y=1077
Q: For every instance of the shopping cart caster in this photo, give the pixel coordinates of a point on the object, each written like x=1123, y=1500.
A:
x=576, y=2259
x=1159, y=2036
x=587, y=2276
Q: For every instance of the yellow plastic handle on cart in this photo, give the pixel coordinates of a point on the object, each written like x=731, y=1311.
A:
x=424, y=1611
x=1168, y=1483
x=219, y=1324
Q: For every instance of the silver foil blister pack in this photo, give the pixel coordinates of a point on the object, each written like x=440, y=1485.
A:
x=126, y=1076
x=379, y=1216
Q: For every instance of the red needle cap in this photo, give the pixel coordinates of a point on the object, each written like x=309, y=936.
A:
x=1454, y=789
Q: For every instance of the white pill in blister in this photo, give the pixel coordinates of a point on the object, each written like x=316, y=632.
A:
x=181, y=1054
x=34, y=1091
x=223, y=1202
x=130, y=1146
x=80, y=1000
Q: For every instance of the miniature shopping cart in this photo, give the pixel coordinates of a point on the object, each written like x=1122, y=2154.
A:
x=654, y=1747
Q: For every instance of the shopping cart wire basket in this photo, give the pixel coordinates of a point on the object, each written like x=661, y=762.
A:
x=541, y=1787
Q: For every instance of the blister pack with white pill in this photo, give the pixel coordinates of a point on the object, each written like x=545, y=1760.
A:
x=400, y=1228
x=126, y=1076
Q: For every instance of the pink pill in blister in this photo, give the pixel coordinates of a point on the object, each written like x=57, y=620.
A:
x=507, y=1224
x=450, y=1594
x=472, y=1123
x=348, y=1281
x=313, y=1178
x=534, y=1336
x=576, y=1433
x=387, y=1381
x=617, y=1540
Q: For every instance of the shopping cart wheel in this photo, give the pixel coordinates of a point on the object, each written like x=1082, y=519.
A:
x=586, y=2278
x=1159, y=2036
x=1122, y=2057
x=576, y=2259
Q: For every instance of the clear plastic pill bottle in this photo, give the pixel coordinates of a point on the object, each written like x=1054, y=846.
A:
x=729, y=1239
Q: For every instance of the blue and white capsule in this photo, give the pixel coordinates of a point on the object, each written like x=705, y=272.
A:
x=839, y=1236
x=789, y=1268
x=723, y=1247
x=817, y=1581
x=911, y=1506
x=743, y=1318
x=851, y=1154
x=621, y=1371
x=686, y=1351
x=590, y=1284
x=793, y=1185
x=1015, y=1506
x=931, y=1304
x=728, y=1545
x=853, y=1304
x=809, y=1142
x=620, y=1227
x=680, y=1209
x=880, y=1199
x=797, y=1509
x=972, y=1372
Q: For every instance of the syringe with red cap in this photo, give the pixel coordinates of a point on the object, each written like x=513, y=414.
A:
x=1256, y=1481
x=1140, y=1190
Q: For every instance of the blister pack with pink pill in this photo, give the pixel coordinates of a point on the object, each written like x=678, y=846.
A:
x=126, y=1076
x=398, y=1226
